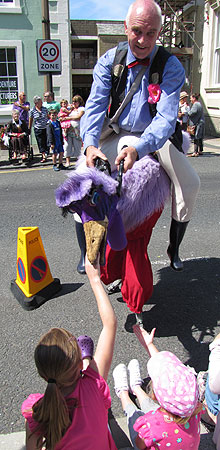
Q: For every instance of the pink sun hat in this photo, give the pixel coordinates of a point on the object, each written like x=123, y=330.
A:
x=174, y=384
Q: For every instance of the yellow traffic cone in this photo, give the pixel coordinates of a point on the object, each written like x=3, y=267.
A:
x=34, y=283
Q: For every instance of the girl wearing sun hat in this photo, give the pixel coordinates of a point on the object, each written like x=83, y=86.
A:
x=170, y=416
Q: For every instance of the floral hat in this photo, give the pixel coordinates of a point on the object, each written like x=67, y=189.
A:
x=174, y=384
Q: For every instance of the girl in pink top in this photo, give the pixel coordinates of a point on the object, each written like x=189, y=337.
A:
x=65, y=111
x=73, y=411
x=170, y=416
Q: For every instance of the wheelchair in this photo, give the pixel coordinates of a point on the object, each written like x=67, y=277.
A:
x=28, y=147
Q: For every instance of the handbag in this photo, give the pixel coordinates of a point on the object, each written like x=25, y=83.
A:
x=110, y=126
x=191, y=129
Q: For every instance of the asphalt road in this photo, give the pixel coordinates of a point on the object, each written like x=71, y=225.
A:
x=184, y=306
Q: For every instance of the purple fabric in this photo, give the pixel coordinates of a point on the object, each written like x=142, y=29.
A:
x=145, y=189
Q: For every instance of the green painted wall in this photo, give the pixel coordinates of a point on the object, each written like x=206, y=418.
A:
x=26, y=27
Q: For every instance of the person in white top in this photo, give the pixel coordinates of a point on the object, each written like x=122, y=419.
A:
x=183, y=110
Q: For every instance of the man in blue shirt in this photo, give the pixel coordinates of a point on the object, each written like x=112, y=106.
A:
x=140, y=134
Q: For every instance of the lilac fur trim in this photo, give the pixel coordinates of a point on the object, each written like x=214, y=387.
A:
x=145, y=189
x=79, y=183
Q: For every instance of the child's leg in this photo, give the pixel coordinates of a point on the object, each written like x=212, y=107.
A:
x=54, y=158
x=60, y=157
x=131, y=411
x=135, y=382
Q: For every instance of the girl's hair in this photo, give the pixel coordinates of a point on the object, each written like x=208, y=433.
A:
x=196, y=96
x=57, y=358
x=79, y=99
x=174, y=417
x=63, y=100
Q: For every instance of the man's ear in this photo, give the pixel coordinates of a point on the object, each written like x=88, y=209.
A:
x=126, y=28
x=159, y=32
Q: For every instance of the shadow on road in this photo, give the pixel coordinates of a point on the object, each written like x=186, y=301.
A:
x=186, y=304
x=67, y=288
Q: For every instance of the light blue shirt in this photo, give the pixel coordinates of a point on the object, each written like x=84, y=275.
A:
x=136, y=116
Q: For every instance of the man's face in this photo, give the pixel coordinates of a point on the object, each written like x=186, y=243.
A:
x=47, y=97
x=22, y=97
x=142, y=30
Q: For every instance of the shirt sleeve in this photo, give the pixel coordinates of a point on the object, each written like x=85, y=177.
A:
x=214, y=366
x=26, y=409
x=163, y=124
x=146, y=432
x=98, y=101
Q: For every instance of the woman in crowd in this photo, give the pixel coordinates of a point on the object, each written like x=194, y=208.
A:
x=196, y=119
x=39, y=117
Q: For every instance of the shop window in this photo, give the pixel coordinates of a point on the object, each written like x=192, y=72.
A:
x=8, y=76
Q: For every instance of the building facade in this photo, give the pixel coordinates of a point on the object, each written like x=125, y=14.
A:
x=20, y=28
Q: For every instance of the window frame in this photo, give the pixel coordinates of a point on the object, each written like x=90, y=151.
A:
x=217, y=51
x=17, y=44
x=11, y=8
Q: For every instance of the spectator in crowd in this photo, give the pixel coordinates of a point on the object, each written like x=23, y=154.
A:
x=55, y=139
x=49, y=102
x=39, y=117
x=17, y=130
x=73, y=142
x=196, y=119
x=23, y=107
x=183, y=110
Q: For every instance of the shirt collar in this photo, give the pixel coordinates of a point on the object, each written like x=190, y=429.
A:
x=130, y=57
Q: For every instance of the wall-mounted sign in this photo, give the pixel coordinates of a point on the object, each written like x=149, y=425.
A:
x=49, y=56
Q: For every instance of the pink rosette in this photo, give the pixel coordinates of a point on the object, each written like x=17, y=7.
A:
x=154, y=93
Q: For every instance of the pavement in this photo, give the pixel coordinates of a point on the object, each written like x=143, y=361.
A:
x=16, y=441
x=211, y=146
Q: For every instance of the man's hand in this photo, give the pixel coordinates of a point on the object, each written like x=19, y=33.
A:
x=91, y=154
x=129, y=154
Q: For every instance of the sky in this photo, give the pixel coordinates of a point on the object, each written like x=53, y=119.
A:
x=99, y=9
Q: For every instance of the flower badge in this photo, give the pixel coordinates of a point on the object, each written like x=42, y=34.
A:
x=154, y=93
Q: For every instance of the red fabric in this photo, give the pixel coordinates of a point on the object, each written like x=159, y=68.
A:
x=132, y=266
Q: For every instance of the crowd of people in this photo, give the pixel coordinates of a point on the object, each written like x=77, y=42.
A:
x=56, y=128
x=73, y=411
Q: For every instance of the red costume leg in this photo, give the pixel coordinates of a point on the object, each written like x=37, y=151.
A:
x=133, y=266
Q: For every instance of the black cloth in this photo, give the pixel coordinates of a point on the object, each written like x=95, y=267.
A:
x=41, y=138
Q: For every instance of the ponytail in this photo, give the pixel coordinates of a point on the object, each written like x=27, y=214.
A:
x=57, y=357
x=52, y=414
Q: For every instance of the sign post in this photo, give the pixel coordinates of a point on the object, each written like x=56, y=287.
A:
x=49, y=56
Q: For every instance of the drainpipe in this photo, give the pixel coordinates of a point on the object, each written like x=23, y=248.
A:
x=48, y=86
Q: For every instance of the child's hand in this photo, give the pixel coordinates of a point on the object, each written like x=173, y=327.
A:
x=143, y=336
x=52, y=147
x=92, y=270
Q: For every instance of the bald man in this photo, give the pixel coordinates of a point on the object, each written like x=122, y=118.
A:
x=140, y=133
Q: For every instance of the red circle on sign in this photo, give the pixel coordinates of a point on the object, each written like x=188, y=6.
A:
x=50, y=43
x=38, y=269
x=21, y=270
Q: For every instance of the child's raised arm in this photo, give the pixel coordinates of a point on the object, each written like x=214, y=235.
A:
x=104, y=351
x=146, y=339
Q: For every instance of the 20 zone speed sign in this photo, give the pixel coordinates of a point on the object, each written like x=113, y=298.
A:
x=49, y=55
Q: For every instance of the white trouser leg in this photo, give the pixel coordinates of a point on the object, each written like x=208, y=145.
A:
x=185, y=181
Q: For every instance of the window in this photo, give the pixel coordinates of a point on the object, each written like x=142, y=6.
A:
x=10, y=6
x=8, y=77
x=217, y=50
